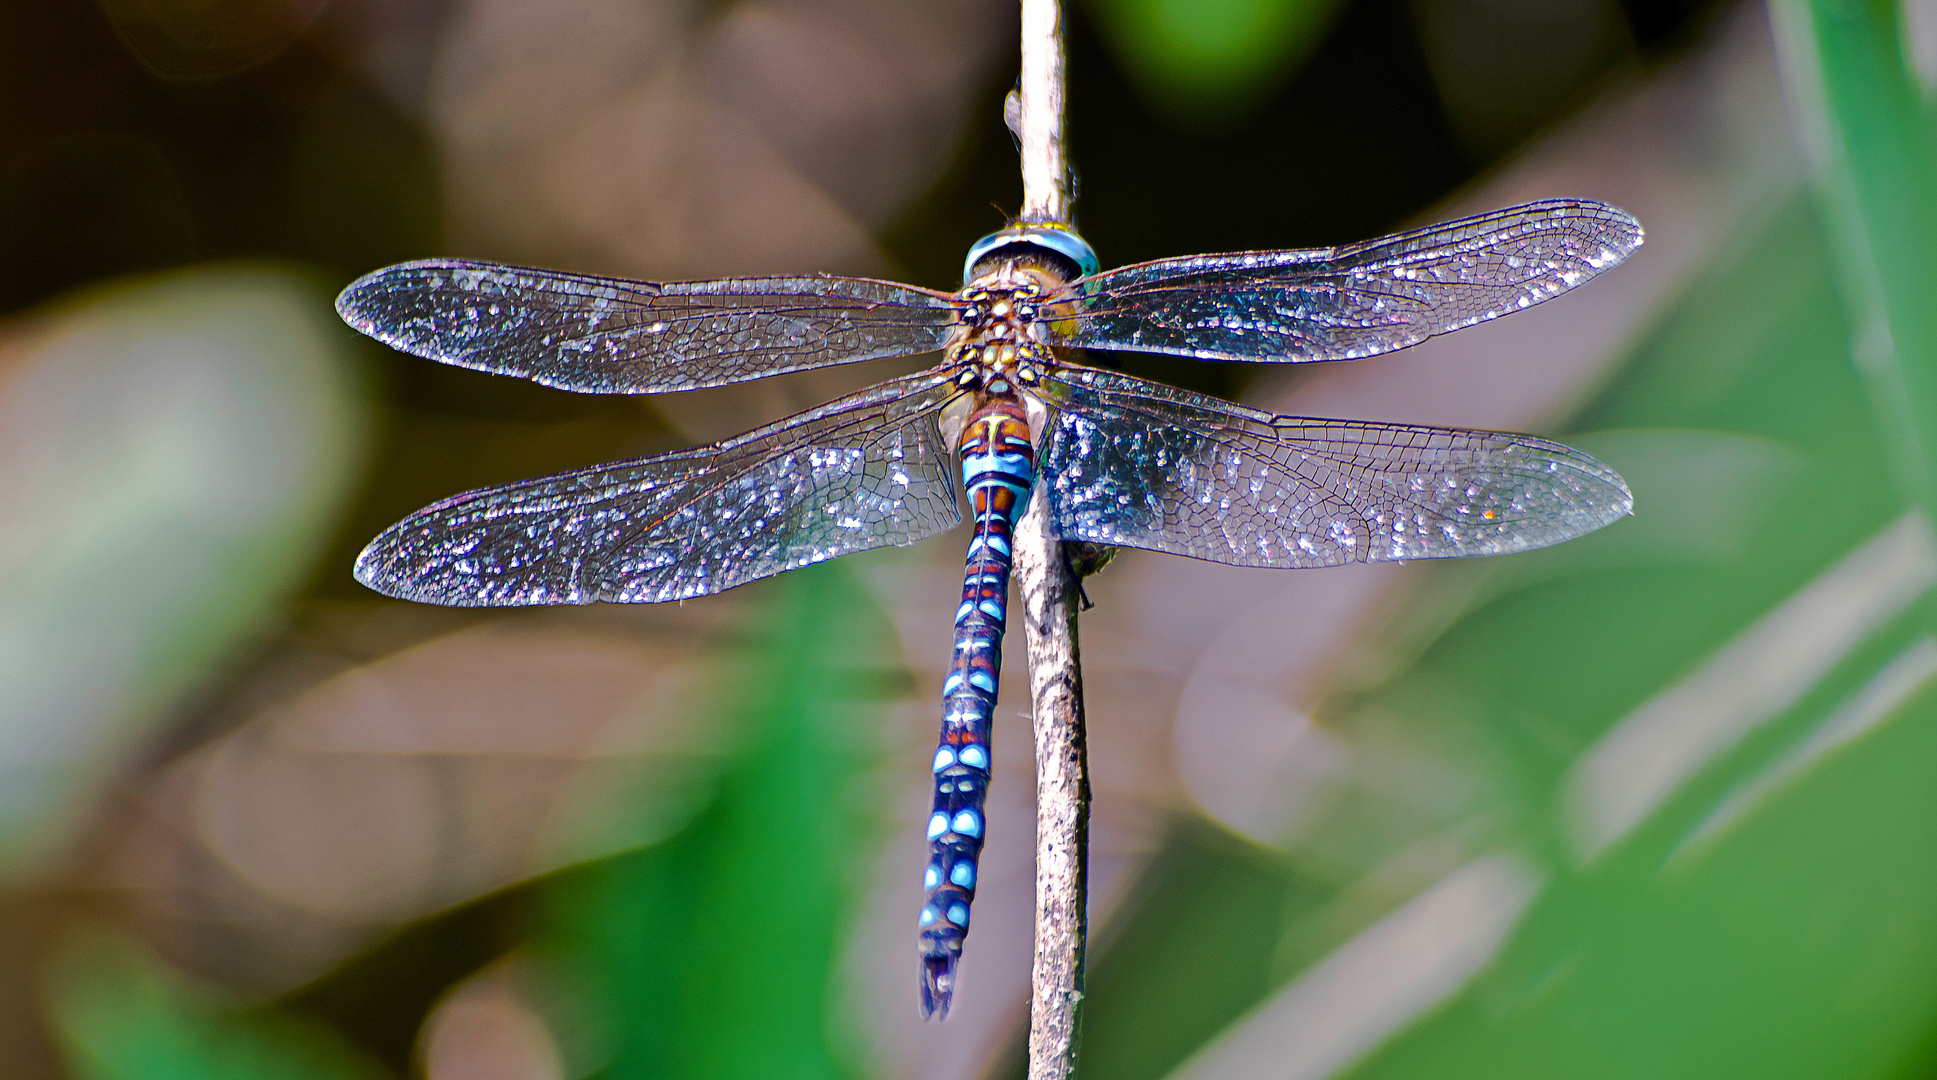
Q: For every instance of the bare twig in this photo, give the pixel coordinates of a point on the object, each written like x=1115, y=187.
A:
x=1049, y=603
x=1049, y=597
x=1044, y=171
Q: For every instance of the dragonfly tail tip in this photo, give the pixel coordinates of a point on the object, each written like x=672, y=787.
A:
x=937, y=985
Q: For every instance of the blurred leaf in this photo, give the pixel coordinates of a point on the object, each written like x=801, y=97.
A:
x=1860, y=113
x=712, y=955
x=172, y=454
x=1207, y=58
x=120, y=1016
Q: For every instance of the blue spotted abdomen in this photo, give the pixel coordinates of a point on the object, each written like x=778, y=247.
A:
x=998, y=472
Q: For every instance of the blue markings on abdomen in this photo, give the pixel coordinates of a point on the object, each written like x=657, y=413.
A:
x=998, y=472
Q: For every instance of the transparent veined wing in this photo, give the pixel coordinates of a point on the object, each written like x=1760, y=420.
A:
x=1143, y=465
x=1352, y=301
x=611, y=336
x=866, y=471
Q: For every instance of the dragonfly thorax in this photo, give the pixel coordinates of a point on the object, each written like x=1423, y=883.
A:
x=998, y=340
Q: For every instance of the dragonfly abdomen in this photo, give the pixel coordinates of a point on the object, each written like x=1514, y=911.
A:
x=998, y=473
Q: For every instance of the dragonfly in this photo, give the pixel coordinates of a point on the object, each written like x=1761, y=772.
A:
x=1012, y=410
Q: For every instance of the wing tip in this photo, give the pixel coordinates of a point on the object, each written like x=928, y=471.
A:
x=395, y=576
x=377, y=567
x=387, y=566
x=1622, y=231
x=1625, y=227
x=406, y=562
x=1633, y=234
x=1590, y=495
x=349, y=302
x=352, y=303
x=1605, y=495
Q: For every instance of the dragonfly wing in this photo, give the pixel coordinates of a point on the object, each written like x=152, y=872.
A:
x=862, y=472
x=1143, y=465
x=1352, y=301
x=610, y=336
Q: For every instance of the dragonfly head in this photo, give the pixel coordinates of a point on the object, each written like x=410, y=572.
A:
x=1058, y=246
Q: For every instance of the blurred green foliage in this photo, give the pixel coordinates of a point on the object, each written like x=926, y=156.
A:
x=122, y=1016
x=1202, y=59
x=713, y=955
x=1874, y=143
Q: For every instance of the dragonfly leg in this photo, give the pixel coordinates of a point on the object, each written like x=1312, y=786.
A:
x=1082, y=559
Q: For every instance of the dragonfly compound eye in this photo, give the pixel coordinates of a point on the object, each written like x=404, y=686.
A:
x=1049, y=246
